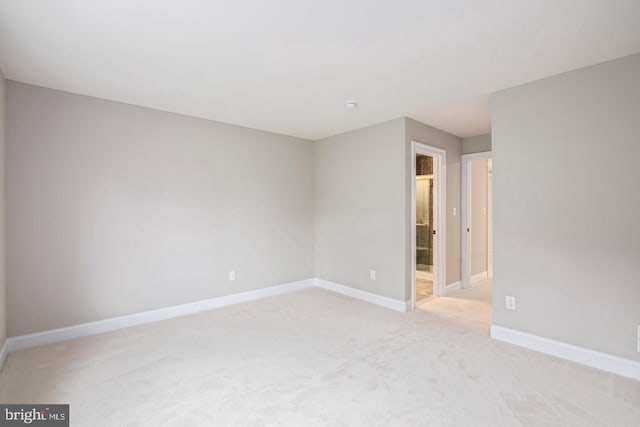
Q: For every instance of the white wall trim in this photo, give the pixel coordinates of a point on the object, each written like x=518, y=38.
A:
x=454, y=286
x=606, y=362
x=466, y=212
x=372, y=298
x=23, y=342
x=595, y=359
x=477, y=156
x=478, y=277
x=4, y=350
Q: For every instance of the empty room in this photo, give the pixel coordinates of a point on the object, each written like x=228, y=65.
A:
x=338, y=213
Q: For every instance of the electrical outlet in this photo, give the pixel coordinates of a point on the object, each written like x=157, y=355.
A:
x=372, y=275
x=510, y=302
x=232, y=275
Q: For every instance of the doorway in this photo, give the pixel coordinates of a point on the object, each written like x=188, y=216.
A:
x=428, y=234
x=477, y=218
x=425, y=226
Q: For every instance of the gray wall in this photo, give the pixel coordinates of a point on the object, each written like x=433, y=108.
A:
x=3, y=287
x=490, y=219
x=360, y=209
x=476, y=144
x=416, y=131
x=566, y=206
x=115, y=209
x=363, y=202
x=479, y=211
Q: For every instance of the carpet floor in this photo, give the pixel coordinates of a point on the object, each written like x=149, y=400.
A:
x=315, y=358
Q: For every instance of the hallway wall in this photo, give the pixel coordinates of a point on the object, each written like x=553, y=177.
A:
x=476, y=144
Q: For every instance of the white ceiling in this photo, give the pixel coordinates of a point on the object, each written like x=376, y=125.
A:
x=287, y=66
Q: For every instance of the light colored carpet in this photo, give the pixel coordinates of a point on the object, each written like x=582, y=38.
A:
x=314, y=358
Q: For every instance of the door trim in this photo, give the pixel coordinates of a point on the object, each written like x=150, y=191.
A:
x=440, y=241
x=466, y=213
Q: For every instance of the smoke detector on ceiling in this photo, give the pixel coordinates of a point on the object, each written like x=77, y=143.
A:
x=350, y=105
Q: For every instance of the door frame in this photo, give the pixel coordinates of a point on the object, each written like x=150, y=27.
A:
x=466, y=213
x=440, y=219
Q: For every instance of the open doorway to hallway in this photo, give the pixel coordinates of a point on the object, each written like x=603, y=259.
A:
x=477, y=213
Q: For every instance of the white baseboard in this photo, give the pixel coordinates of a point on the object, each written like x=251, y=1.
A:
x=606, y=362
x=479, y=276
x=93, y=328
x=454, y=286
x=372, y=298
x=24, y=342
x=595, y=359
x=4, y=350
